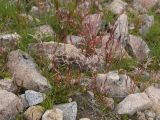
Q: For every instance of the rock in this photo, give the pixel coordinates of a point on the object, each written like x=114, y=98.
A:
x=156, y=109
x=74, y=40
x=149, y=114
x=87, y=107
x=113, y=47
x=24, y=101
x=35, y=11
x=141, y=116
x=140, y=49
x=93, y=23
x=118, y=6
x=153, y=93
x=109, y=103
x=84, y=119
x=144, y=5
x=121, y=29
x=115, y=85
x=10, y=105
x=147, y=22
x=33, y=97
x=63, y=53
x=34, y=113
x=54, y=114
x=21, y=65
x=8, y=41
x=44, y=32
x=69, y=110
x=133, y=103
x=7, y=84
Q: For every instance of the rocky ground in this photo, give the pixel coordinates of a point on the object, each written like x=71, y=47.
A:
x=79, y=59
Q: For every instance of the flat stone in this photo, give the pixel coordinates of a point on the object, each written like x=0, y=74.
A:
x=133, y=103
x=53, y=114
x=69, y=110
x=33, y=97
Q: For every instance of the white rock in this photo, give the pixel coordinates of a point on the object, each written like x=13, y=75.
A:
x=139, y=47
x=53, y=114
x=121, y=31
x=21, y=65
x=10, y=105
x=133, y=103
x=33, y=97
x=118, y=6
x=69, y=110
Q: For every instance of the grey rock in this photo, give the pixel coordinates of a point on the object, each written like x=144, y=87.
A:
x=7, y=84
x=69, y=110
x=34, y=113
x=21, y=65
x=118, y=6
x=33, y=97
x=10, y=105
x=24, y=101
x=116, y=85
x=133, y=103
x=121, y=29
x=147, y=22
x=53, y=114
x=140, y=49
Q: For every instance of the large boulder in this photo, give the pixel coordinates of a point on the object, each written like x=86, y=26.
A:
x=69, y=110
x=121, y=29
x=133, y=103
x=118, y=6
x=140, y=49
x=21, y=65
x=116, y=85
x=8, y=41
x=10, y=105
